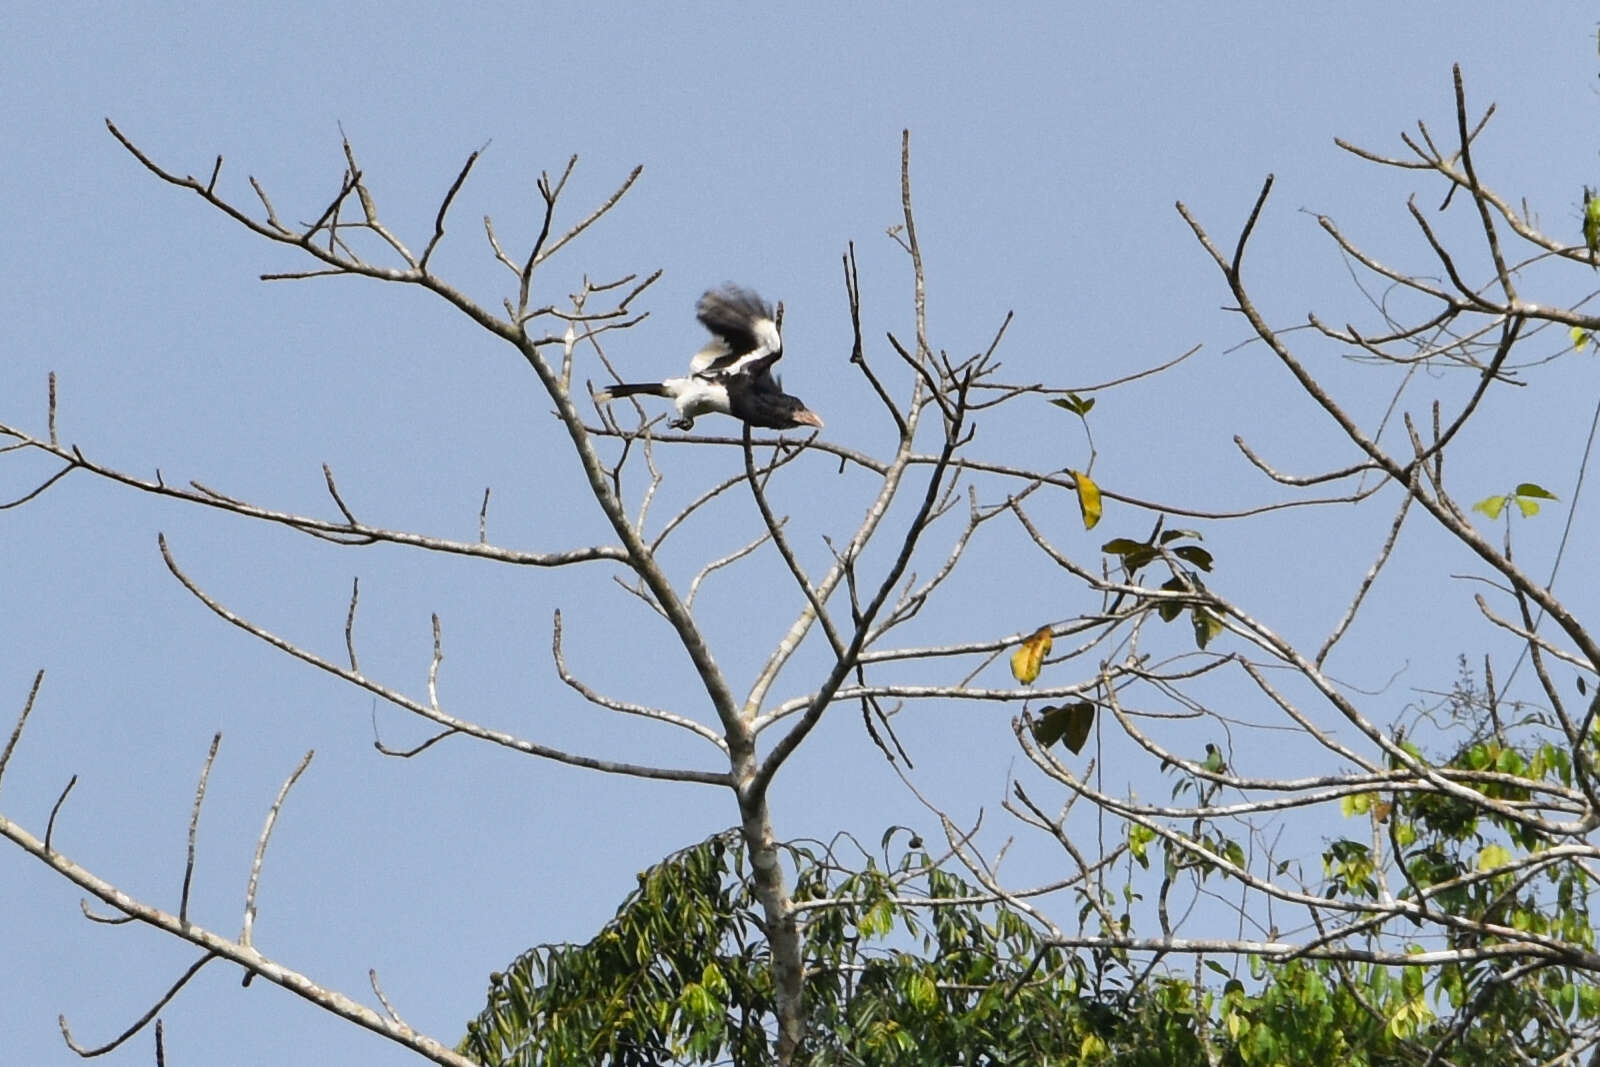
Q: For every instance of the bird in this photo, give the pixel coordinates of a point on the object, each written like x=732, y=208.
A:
x=732, y=374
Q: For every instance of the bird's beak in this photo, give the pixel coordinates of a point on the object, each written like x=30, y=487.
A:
x=806, y=417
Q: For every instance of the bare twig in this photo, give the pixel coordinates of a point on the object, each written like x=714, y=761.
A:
x=246, y=933
x=22, y=720
x=142, y=1021
x=377, y=990
x=444, y=209
x=55, y=809
x=194, y=825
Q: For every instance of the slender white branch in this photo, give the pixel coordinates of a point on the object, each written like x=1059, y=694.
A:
x=643, y=711
x=435, y=715
x=346, y=531
x=248, y=930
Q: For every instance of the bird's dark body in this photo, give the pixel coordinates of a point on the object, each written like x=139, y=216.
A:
x=764, y=403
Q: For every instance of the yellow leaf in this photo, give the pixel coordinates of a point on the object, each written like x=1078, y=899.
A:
x=1088, y=498
x=1026, y=660
x=1591, y=221
x=1580, y=337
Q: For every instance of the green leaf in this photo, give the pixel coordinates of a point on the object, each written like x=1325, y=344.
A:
x=922, y=992
x=1139, y=838
x=1135, y=554
x=1080, y=717
x=1049, y=727
x=1194, y=554
x=1539, y=492
x=1491, y=506
x=1591, y=222
x=1206, y=626
x=1356, y=803
x=1529, y=508
x=1067, y=723
x=1171, y=609
x=1079, y=406
x=1124, y=546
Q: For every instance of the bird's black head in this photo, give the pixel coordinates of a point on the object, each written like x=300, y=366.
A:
x=797, y=414
x=776, y=411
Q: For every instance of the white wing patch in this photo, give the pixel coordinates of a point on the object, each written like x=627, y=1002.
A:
x=713, y=351
x=742, y=332
x=766, y=332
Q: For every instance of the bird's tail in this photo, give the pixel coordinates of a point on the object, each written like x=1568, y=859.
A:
x=615, y=392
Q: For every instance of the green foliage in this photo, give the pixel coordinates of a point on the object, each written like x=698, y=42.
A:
x=673, y=976
x=1079, y=406
x=1470, y=863
x=1525, y=496
x=680, y=975
x=1136, y=555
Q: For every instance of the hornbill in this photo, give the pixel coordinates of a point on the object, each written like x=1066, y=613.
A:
x=732, y=374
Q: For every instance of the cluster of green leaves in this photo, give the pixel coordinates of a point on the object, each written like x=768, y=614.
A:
x=1525, y=496
x=1179, y=545
x=1305, y=1013
x=1470, y=861
x=680, y=975
x=892, y=984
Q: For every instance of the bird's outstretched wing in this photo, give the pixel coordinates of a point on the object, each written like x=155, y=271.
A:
x=746, y=334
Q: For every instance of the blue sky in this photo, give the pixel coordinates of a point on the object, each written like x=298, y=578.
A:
x=1049, y=144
